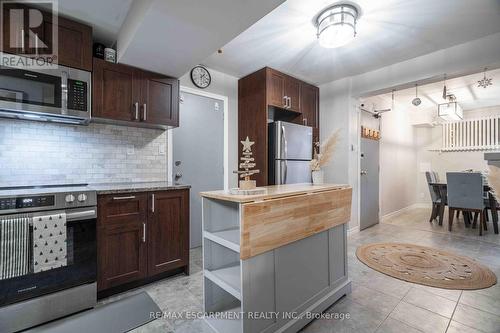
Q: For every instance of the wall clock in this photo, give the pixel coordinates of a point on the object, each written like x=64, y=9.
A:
x=200, y=77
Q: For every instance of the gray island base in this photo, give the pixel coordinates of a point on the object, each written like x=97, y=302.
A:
x=274, y=262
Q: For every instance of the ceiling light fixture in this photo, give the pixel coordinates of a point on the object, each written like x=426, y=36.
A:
x=450, y=111
x=336, y=25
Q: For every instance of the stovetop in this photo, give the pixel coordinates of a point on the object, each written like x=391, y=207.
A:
x=31, y=187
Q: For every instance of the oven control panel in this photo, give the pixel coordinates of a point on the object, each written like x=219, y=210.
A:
x=26, y=202
x=77, y=95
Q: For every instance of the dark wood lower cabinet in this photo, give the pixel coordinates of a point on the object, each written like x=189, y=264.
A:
x=140, y=236
x=168, y=246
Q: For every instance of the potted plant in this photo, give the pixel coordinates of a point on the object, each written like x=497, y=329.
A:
x=322, y=155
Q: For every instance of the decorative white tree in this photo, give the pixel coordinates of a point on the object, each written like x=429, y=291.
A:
x=247, y=164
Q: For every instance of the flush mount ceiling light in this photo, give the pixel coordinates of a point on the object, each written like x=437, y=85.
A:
x=336, y=25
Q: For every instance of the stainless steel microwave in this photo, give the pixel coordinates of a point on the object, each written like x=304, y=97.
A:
x=59, y=94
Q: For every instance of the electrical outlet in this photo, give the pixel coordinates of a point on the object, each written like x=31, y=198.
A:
x=216, y=106
x=130, y=150
x=162, y=150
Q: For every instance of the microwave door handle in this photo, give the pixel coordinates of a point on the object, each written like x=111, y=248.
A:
x=64, y=92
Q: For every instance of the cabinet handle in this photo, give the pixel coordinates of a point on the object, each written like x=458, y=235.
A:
x=124, y=198
x=289, y=102
x=304, y=121
x=144, y=232
x=152, y=203
x=136, y=104
x=286, y=101
x=144, y=116
x=22, y=39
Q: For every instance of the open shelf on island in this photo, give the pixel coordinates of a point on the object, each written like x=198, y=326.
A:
x=227, y=325
x=229, y=238
x=228, y=278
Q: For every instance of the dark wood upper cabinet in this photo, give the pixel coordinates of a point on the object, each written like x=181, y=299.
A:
x=160, y=100
x=283, y=91
x=130, y=96
x=276, y=89
x=141, y=235
x=74, y=41
x=116, y=91
x=168, y=231
x=310, y=108
x=121, y=245
x=268, y=95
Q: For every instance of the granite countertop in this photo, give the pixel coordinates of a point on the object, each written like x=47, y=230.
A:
x=111, y=188
x=103, y=188
x=273, y=191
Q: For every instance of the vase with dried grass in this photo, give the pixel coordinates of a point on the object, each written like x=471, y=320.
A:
x=322, y=155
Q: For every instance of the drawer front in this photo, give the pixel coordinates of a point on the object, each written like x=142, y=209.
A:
x=122, y=208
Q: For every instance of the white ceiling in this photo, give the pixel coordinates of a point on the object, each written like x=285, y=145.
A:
x=172, y=36
x=465, y=88
x=105, y=16
x=389, y=31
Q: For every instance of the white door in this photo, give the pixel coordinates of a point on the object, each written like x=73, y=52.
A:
x=198, y=152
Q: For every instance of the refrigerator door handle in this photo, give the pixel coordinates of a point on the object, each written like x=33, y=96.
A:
x=284, y=143
x=286, y=169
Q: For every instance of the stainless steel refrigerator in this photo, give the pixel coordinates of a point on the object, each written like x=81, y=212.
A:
x=290, y=151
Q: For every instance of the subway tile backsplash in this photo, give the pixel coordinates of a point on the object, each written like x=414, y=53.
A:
x=43, y=153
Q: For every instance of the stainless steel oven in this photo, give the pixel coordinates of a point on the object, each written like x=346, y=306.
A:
x=48, y=260
x=59, y=94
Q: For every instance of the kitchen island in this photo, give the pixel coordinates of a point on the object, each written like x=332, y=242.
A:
x=271, y=261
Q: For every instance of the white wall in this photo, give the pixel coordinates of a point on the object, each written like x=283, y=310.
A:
x=339, y=108
x=226, y=85
x=431, y=138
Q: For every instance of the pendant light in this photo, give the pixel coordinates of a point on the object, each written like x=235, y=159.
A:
x=416, y=101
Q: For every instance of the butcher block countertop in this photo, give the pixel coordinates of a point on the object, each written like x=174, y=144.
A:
x=273, y=192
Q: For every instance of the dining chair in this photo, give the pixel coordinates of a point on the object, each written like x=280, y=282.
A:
x=438, y=202
x=465, y=193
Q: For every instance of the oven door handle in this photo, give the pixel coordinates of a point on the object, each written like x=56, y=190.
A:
x=82, y=215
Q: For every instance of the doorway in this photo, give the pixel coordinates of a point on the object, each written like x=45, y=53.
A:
x=369, y=189
x=197, y=151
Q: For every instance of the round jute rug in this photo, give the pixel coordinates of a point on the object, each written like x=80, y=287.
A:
x=426, y=265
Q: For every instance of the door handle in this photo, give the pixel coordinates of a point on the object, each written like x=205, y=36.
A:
x=178, y=175
x=144, y=116
x=144, y=232
x=363, y=173
x=129, y=197
x=136, y=105
x=286, y=171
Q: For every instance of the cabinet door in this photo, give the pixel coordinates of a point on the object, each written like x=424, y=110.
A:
x=276, y=89
x=309, y=105
x=160, y=100
x=121, y=239
x=74, y=42
x=168, y=234
x=292, y=91
x=116, y=91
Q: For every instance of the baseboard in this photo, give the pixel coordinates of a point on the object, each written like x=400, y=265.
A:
x=353, y=230
x=404, y=210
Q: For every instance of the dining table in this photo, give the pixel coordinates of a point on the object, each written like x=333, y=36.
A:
x=442, y=190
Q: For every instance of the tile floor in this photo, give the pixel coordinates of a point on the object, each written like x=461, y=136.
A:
x=378, y=303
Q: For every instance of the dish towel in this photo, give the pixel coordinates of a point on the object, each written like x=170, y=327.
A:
x=14, y=245
x=49, y=241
